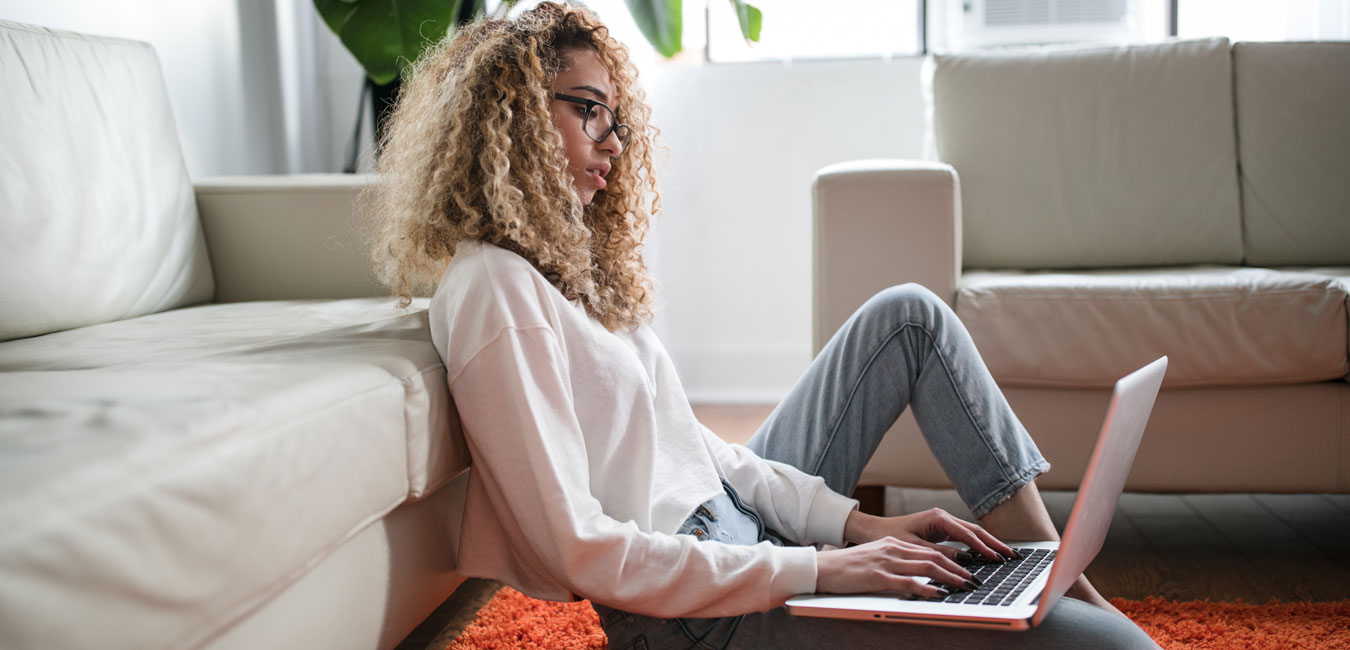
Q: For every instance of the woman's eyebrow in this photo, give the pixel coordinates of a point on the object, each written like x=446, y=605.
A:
x=593, y=90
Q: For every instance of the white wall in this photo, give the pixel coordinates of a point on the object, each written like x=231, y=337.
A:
x=734, y=240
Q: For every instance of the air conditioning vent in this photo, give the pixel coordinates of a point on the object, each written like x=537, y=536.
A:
x=1026, y=13
x=963, y=25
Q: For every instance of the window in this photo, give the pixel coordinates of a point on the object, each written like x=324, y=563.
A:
x=813, y=29
x=1264, y=20
x=956, y=25
x=801, y=29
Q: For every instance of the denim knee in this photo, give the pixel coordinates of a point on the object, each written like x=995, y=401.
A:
x=908, y=302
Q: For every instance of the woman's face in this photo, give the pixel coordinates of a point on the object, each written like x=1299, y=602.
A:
x=585, y=76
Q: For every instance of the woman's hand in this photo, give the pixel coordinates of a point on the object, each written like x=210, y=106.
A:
x=926, y=529
x=889, y=564
x=900, y=554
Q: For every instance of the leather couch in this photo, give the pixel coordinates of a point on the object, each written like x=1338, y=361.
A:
x=1091, y=209
x=213, y=432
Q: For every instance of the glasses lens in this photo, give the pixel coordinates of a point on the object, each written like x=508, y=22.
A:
x=598, y=121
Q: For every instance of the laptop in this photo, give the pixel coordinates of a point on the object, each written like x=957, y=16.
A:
x=1018, y=594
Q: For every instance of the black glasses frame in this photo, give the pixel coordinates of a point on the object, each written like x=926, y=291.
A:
x=615, y=127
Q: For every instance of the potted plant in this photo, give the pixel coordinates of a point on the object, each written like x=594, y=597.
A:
x=387, y=36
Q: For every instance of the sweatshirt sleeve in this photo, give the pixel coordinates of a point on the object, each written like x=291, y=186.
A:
x=515, y=404
x=791, y=501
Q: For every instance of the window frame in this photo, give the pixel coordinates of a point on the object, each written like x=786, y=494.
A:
x=1170, y=29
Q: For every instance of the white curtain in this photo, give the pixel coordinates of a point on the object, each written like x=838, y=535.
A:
x=320, y=86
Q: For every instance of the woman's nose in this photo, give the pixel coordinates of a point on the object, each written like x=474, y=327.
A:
x=611, y=145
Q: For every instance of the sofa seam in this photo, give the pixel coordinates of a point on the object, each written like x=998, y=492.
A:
x=1237, y=151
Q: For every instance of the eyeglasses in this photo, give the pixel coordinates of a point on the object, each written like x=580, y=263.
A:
x=598, y=121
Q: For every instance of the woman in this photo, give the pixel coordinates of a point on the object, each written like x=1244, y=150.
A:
x=517, y=180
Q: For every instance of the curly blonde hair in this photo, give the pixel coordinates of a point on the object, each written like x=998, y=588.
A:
x=471, y=153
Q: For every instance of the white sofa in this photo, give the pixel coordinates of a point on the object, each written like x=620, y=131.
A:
x=1094, y=208
x=213, y=433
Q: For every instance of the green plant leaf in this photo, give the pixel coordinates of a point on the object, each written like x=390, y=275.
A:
x=661, y=21
x=334, y=12
x=750, y=17
x=387, y=35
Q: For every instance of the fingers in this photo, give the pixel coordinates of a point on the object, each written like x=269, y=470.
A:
x=916, y=560
x=921, y=588
x=972, y=535
x=952, y=579
x=917, y=585
x=960, y=557
x=891, y=565
x=949, y=567
x=981, y=541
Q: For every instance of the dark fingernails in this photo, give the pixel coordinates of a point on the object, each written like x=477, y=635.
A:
x=976, y=581
x=943, y=593
x=970, y=585
x=964, y=557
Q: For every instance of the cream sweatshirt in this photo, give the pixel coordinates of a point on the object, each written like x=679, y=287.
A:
x=587, y=458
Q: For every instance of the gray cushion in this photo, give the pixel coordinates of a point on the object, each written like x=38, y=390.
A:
x=1293, y=117
x=1121, y=156
x=1221, y=326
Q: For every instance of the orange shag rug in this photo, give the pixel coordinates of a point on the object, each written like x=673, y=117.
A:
x=514, y=620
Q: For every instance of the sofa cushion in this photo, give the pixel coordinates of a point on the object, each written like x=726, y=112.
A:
x=166, y=474
x=99, y=221
x=1341, y=275
x=1101, y=157
x=1220, y=326
x=1294, y=144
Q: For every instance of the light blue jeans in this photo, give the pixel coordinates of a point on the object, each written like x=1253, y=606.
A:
x=903, y=348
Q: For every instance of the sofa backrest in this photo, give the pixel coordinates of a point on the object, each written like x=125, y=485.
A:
x=1092, y=157
x=1293, y=125
x=98, y=221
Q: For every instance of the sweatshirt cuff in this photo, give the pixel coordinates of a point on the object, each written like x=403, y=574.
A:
x=825, y=520
x=797, y=573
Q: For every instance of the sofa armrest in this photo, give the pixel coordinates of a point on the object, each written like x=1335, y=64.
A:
x=285, y=237
x=879, y=223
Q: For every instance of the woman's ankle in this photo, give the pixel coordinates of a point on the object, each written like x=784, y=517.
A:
x=1084, y=591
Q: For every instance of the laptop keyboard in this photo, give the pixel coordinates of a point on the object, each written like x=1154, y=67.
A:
x=1003, y=581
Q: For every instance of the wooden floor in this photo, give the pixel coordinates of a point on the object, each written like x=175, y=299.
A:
x=1219, y=547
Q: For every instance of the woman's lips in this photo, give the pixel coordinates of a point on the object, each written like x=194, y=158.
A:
x=597, y=178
